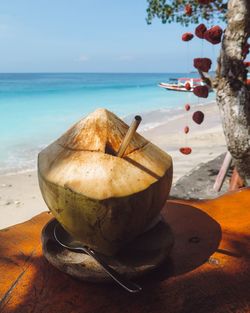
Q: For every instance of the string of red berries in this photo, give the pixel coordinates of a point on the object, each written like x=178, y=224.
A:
x=212, y=35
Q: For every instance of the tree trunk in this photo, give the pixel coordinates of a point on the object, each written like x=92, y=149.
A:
x=233, y=96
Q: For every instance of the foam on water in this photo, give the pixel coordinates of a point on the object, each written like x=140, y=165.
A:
x=35, y=109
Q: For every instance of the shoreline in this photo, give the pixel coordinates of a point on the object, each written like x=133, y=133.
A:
x=206, y=140
x=20, y=197
x=150, y=120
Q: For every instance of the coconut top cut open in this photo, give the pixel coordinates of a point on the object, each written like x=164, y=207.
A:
x=84, y=159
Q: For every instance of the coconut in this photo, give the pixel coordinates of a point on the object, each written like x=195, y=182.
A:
x=103, y=200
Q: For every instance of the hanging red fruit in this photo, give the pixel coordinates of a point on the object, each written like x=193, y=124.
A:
x=188, y=9
x=186, y=129
x=201, y=91
x=188, y=86
x=204, y=1
x=187, y=107
x=247, y=64
x=200, y=31
x=198, y=117
x=214, y=34
x=245, y=50
x=202, y=64
x=187, y=36
x=185, y=150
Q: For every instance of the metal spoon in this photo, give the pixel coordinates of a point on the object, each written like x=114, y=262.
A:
x=68, y=242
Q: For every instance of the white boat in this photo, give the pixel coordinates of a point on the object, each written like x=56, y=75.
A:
x=183, y=84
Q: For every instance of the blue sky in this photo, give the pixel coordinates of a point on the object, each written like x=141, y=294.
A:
x=92, y=36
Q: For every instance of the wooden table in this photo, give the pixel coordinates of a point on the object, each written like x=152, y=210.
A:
x=207, y=271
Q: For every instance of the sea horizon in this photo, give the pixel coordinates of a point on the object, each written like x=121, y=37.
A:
x=76, y=72
x=36, y=108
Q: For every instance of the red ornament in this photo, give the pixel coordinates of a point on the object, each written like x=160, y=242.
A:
x=187, y=36
x=213, y=35
x=188, y=86
x=188, y=10
x=200, y=31
x=201, y=91
x=186, y=129
x=247, y=64
x=187, y=107
x=198, y=117
x=185, y=150
x=245, y=50
x=204, y=1
x=202, y=64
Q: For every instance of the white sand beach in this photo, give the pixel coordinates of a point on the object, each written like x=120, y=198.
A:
x=20, y=197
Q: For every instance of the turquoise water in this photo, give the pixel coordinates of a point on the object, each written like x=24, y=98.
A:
x=36, y=108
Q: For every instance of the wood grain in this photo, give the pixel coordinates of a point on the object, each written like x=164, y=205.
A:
x=208, y=269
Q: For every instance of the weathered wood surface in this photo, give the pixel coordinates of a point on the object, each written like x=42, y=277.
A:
x=208, y=271
x=233, y=96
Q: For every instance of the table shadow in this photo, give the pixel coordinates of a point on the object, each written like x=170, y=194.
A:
x=197, y=236
x=43, y=288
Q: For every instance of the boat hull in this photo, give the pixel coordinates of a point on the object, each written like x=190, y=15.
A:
x=174, y=87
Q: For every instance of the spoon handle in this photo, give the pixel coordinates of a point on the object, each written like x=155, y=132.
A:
x=126, y=284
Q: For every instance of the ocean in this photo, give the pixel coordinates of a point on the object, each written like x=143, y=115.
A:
x=35, y=109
